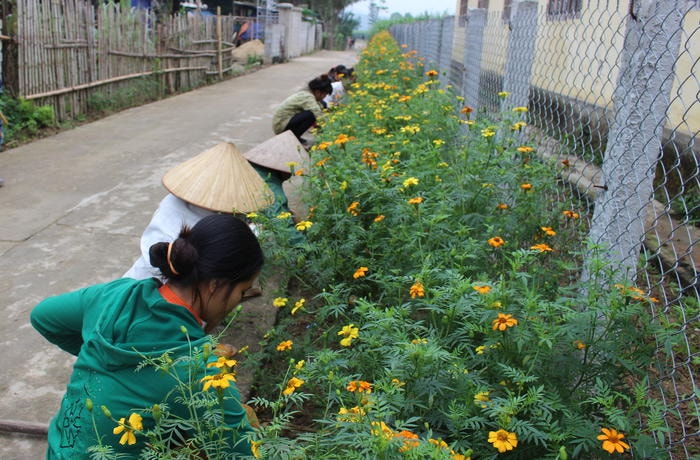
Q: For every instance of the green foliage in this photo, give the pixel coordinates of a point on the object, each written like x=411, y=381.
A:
x=25, y=119
x=138, y=92
x=448, y=306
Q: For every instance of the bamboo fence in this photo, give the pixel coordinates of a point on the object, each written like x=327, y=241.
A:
x=71, y=51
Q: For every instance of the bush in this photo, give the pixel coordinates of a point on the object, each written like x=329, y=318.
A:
x=441, y=312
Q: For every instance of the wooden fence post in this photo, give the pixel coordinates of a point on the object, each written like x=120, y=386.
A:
x=220, y=62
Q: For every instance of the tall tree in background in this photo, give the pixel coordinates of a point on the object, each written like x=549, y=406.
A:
x=329, y=11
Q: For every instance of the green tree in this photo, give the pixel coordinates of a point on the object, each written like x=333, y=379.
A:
x=330, y=14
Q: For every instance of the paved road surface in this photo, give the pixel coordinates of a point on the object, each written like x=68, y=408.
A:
x=73, y=207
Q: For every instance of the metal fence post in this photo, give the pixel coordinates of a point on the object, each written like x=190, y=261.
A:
x=447, y=28
x=473, y=48
x=520, y=54
x=641, y=100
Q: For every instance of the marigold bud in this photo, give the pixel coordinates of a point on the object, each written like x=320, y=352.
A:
x=562, y=453
x=88, y=404
x=156, y=413
x=183, y=329
x=106, y=411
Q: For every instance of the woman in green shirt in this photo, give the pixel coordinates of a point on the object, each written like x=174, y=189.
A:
x=114, y=327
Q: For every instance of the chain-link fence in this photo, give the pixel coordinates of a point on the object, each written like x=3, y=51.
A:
x=613, y=94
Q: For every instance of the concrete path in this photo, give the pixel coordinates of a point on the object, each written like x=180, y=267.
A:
x=73, y=207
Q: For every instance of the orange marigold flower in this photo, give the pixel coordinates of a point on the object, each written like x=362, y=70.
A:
x=410, y=440
x=524, y=149
x=580, y=345
x=571, y=214
x=359, y=386
x=501, y=206
x=526, y=186
x=613, y=441
x=286, y=345
x=360, y=272
x=432, y=73
x=354, y=208
x=292, y=385
x=466, y=109
x=482, y=289
x=548, y=231
x=342, y=139
x=417, y=290
x=504, y=321
x=496, y=241
x=322, y=161
x=416, y=200
x=542, y=247
x=379, y=218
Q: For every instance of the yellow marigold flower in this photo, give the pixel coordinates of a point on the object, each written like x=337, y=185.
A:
x=525, y=149
x=504, y=321
x=548, y=231
x=354, y=208
x=503, y=440
x=417, y=290
x=359, y=386
x=438, y=142
x=480, y=349
x=481, y=397
x=323, y=145
x=128, y=428
x=520, y=109
x=397, y=383
x=432, y=73
x=486, y=132
x=526, y=186
x=379, y=218
x=284, y=215
x=503, y=94
x=251, y=215
x=443, y=164
x=348, y=333
x=404, y=98
x=220, y=380
x=419, y=341
x=292, y=384
x=280, y=302
x=343, y=185
x=482, y=289
x=304, y=225
x=360, y=272
x=410, y=181
x=613, y=441
x=297, y=305
x=285, y=345
x=496, y=241
x=353, y=414
x=255, y=448
x=542, y=247
x=571, y=214
x=382, y=430
x=580, y=345
x=223, y=362
x=292, y=164
x=501, y=206
x=411, y=129
x=518, y=125
x=416, y=200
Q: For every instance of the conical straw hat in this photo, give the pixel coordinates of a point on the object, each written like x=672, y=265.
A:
x=219, y=179
x=277, y=152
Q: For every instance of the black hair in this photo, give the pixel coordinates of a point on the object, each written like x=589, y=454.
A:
x=218, y=247
x=321, y=83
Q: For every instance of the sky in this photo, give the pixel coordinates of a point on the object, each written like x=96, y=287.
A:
x=415, y=7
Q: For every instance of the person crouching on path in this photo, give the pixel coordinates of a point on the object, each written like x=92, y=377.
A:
x=303, y=109
x=217, y=180
x=114, y=327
